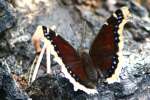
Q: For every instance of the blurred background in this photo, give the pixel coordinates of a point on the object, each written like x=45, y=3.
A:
x=74, y=20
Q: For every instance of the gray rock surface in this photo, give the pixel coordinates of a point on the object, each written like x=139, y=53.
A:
x=72, y=23
x=7, y=20
x=8, y=87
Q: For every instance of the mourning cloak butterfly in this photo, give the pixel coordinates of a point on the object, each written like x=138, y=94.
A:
x=83, y=69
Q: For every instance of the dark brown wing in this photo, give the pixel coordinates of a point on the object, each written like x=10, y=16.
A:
x=71, y=61
x=105, y=46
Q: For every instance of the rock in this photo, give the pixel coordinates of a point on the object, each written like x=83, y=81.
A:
x=4, y=48
x=137, y=9
x=66, y=2
x=146, y=4
x=7, y=20
x=142, y=93
x=129, y=87
x=53, y=88
x=9, y=86
x=94, y=21
x=72, y=21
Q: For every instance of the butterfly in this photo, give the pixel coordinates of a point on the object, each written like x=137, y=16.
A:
x=83, y=69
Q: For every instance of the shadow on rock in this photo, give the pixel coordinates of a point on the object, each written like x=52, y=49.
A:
x=54, y=88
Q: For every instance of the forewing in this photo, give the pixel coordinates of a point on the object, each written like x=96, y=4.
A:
x=105, y=47
x=67, y=57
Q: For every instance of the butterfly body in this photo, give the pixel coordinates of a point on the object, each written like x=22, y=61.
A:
x=84, y=69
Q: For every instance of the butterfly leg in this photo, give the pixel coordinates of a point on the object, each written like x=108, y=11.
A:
x=31, y=70
x=101, y=78
x=38, y=63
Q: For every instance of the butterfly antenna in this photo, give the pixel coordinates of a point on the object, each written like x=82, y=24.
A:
x=83, y=37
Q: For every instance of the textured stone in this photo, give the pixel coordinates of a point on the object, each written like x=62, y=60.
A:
x=8, y=86
x=6, y=18
x=54, y=88
x=138, y=10
x=73, y=22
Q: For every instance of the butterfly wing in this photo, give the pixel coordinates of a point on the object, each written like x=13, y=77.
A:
x=106, y=47
x=71, y=63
